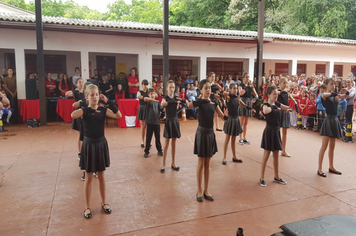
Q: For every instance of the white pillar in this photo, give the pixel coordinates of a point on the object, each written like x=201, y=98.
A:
x=145, y=67
x=292, y=68
x=249, y=67
x=20, y=72
x=84, y=60
x=329, y=69
x=202, y=68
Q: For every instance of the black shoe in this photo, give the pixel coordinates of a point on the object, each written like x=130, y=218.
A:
x=262, y=183
x=321, y=174
x=241, y=142
x=162, y=170
x=142, y=145
x=246, y=141
x=160, y=153
x=83, y=176
x=200, y=199
x=219, y=130
x=106, y=210
x=87, y=216
x=175, y=168
x=224, y=162
x=280, y=181
x=210, y=198
x=335, y=172
x=79, y=155
x=237, y=160
x=145, y=155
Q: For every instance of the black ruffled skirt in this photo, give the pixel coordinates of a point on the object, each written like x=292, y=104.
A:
x=141, y=114
x=232, y=126
x=271, y=138
x=284, y=119
x=94, y=155
x=77, y=124
x=171, y=128
x=243, y=111
x=205, y=142
x=331, y=127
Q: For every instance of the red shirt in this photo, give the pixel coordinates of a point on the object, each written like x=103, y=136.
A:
x=302, y=104
x=159, y=98
x=133, y=80
x=65, y=88
x=49, y=90
x=182, y=95
x=311, y=106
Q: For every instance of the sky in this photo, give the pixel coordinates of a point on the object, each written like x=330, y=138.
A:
x=100, y=5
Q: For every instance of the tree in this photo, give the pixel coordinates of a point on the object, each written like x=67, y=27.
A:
x=118, y=10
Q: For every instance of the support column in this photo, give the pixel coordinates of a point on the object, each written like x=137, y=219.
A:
x=292, y=68
x=202, y=68
x=329, y=71
x=145, y=67
x=249, y=67
x=20, y=73
x=84, y=60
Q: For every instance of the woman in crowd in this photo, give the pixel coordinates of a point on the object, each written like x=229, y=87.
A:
x=65, y=85
x=214, y=96
x=141, y=115
x=133, y=83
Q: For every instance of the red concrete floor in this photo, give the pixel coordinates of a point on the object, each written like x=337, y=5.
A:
x=41, y=192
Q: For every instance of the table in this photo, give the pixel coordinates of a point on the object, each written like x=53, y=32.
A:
x=128, y=107
x=30, y=109
x=64, y=109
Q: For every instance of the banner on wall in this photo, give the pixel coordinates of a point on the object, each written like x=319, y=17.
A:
x=120, y=67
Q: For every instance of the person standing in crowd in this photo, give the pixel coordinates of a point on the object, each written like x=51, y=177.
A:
x=133, y=83
x=350, y=100
x=141, y=114
x=105, y=87
x=95, y=152
x=95, y=79
x=271, y=138
x=319, y=107
x=122, y=80
x=214, y=96
x=65, y=85
x=50, y=85
x=330, y=129
x=311, y=106
x=76, y=76
x=11, y=89
x=248, y=96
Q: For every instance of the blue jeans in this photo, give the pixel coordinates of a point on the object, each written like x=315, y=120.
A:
x=132, y=95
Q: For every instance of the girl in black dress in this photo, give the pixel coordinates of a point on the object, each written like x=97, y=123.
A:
x=232, y=127
x=214, y=96
x=141, y=115
x=283, y=98
x=271, y=138
x=95, y=151
x=78, y=94
x=205, y=144
x=330, y=129
x=171, y=126
x=248, y=96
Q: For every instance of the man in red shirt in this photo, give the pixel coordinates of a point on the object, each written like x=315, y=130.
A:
x=50, y=85
x=133, y=83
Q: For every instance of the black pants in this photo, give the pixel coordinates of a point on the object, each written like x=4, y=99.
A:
x=349, y=112
x=321, y=118
x=311, y=120
x=153, y=128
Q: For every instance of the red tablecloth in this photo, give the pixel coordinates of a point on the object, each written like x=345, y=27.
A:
x=30, y=109
x=65, y=108
x=128, y=107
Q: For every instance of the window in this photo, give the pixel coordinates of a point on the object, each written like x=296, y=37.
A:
x=301, y=69
x=320, y=69
x=224, y=67
x=52, y=63
x=184, y=66
x=281, y=69
x=338, y=69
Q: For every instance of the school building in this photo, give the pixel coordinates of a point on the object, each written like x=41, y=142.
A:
x=119, y=46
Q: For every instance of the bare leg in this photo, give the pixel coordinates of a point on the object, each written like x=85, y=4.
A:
x=233, y=146
x=143, y=130
x=227, y=139
x=165, y=149
x=79, y=143
x=216, y=121
x=200, y=168
x=206, y=176
x=324, y=146
x=275, y=164
x=284, y=142
x=242, y=122
x=174, y=152
x=87, y=189
x=264, y=163
x=102, y=186
x=245, y=127
x=331, y=153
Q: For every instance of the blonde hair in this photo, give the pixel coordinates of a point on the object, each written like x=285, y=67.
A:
x=88, y=89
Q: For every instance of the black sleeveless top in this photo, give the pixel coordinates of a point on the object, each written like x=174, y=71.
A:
x=78, y=95
x=248, y=89
x=272, y=118
x=232, y=107
x=214, y=89
x=283, y=97
x=171, y=108
x=94, y=124
x=206, y=114
x=330, y=105
x=144, y=95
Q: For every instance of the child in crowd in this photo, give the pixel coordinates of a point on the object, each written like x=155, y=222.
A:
x=271, y=138
x=153, y=109
x=319, y=107
x=120, y=93
x=159, y=94
x=141, y=114
x=95, y=151
x=294, y=114
x=205, y=143
x=341, y=114
x=6, y=110
x=311, y=111
x=302, y=108
x=182, y=94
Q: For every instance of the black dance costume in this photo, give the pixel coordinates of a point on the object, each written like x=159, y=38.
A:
x=141, y=114
x=284, y=116
x=232, y=125
x=77, y=124
x=246, y=98
x=95, y=152
x=271, y=138
x=205, y=142
x=214, y=89
x=171, y=125
x=331, y=126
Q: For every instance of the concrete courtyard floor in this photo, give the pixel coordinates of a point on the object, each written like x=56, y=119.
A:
x=41, y=192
